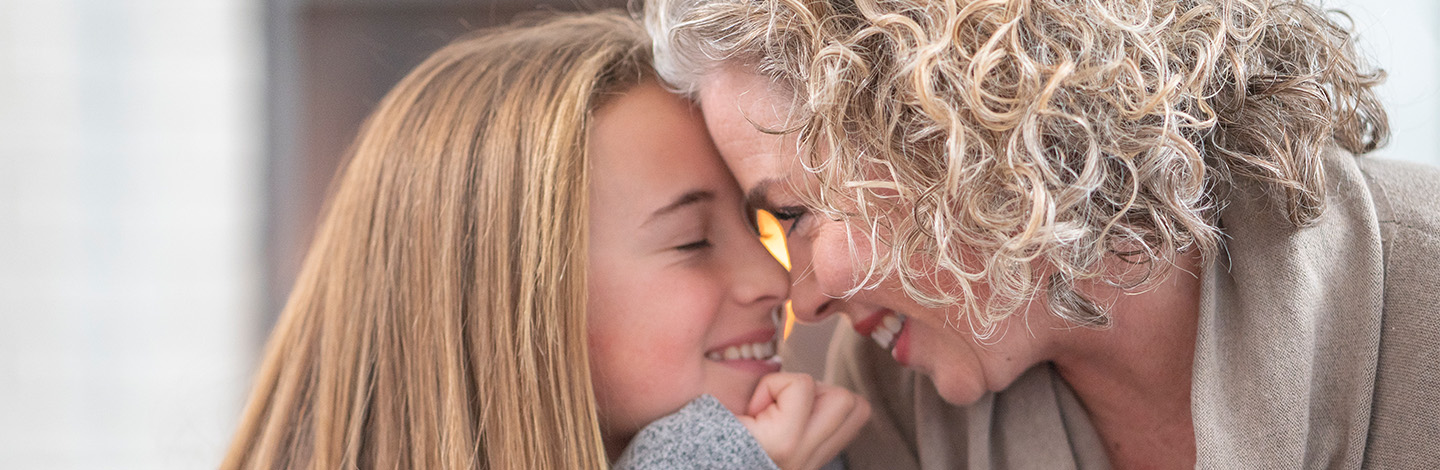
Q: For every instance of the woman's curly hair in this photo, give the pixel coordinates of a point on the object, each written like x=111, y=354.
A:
x=1017, y=144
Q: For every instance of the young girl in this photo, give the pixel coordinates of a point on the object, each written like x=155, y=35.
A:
x=535, y=259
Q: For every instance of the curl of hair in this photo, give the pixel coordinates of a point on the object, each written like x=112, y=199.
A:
x=1021, y=143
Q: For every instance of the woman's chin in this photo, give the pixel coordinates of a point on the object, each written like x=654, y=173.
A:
x=958, y=391
x=956, y=384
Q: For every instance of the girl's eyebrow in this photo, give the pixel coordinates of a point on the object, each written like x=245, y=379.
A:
x=689, y=198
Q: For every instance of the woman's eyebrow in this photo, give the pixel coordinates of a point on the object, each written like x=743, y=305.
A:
x=689, y=198
x=758, y=197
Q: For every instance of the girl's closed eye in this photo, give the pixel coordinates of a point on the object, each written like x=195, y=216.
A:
x=695, y=246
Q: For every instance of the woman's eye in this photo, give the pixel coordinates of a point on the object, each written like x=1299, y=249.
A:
x=790, y=217
x=693, y=246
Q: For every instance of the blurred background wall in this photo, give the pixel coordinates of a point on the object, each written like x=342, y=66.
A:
x=131, y=190
x=162, y=163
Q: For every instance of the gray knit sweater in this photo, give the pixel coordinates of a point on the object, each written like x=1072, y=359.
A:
x=702, y=435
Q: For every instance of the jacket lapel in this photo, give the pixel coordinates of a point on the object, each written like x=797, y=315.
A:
x=1289, y=329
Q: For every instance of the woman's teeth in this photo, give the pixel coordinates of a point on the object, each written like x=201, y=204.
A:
x=888, y=329
x=757, y=351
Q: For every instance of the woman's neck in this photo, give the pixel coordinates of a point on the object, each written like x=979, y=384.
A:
x=1134, y=378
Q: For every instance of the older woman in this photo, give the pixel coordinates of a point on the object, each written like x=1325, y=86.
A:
x=1128, y=233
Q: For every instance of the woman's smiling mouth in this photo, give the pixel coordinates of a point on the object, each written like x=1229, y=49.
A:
x=883, y=327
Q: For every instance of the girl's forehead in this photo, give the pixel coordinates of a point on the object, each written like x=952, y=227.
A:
x=649, y=148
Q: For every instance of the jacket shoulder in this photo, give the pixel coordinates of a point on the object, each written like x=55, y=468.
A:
x=1405, y=399
x=1406, y=194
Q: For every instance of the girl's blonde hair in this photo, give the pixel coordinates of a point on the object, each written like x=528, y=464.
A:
x=1020, y=143
x=439, y=318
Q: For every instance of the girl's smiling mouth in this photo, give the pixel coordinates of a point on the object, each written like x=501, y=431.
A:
x=758, y=350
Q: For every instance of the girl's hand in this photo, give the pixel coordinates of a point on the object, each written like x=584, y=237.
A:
x=802, y=424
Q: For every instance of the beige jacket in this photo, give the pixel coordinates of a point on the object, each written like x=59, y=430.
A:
x=1317, y=348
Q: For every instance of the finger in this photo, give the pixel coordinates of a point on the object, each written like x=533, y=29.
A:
x=838, y=414
x=844, y=434
x=785, y=393
x=764, y=395
x=784, y=403
x=832, y=406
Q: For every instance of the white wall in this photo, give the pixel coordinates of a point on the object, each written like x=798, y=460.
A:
x=1403, y=37
x=130, y=185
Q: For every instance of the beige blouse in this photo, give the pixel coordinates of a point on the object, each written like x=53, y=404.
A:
x=1318, y=347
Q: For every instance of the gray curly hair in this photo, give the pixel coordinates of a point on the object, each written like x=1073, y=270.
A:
x=1019, y=143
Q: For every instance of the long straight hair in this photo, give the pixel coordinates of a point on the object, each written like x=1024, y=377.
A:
x=439, y=318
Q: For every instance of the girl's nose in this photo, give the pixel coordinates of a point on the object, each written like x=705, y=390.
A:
x=760, y=278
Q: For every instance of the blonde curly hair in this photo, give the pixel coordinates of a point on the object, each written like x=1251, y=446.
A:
x=1019, y=143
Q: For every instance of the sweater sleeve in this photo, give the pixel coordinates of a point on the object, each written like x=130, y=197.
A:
x=702, y=435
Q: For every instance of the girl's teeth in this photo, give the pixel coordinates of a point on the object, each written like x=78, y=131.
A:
x=757, y=351
x=888, y=329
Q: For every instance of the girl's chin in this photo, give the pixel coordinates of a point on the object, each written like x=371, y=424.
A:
x=736, y=401
x=734, y=390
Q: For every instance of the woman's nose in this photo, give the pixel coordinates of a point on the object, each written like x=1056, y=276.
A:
x=808, y=298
